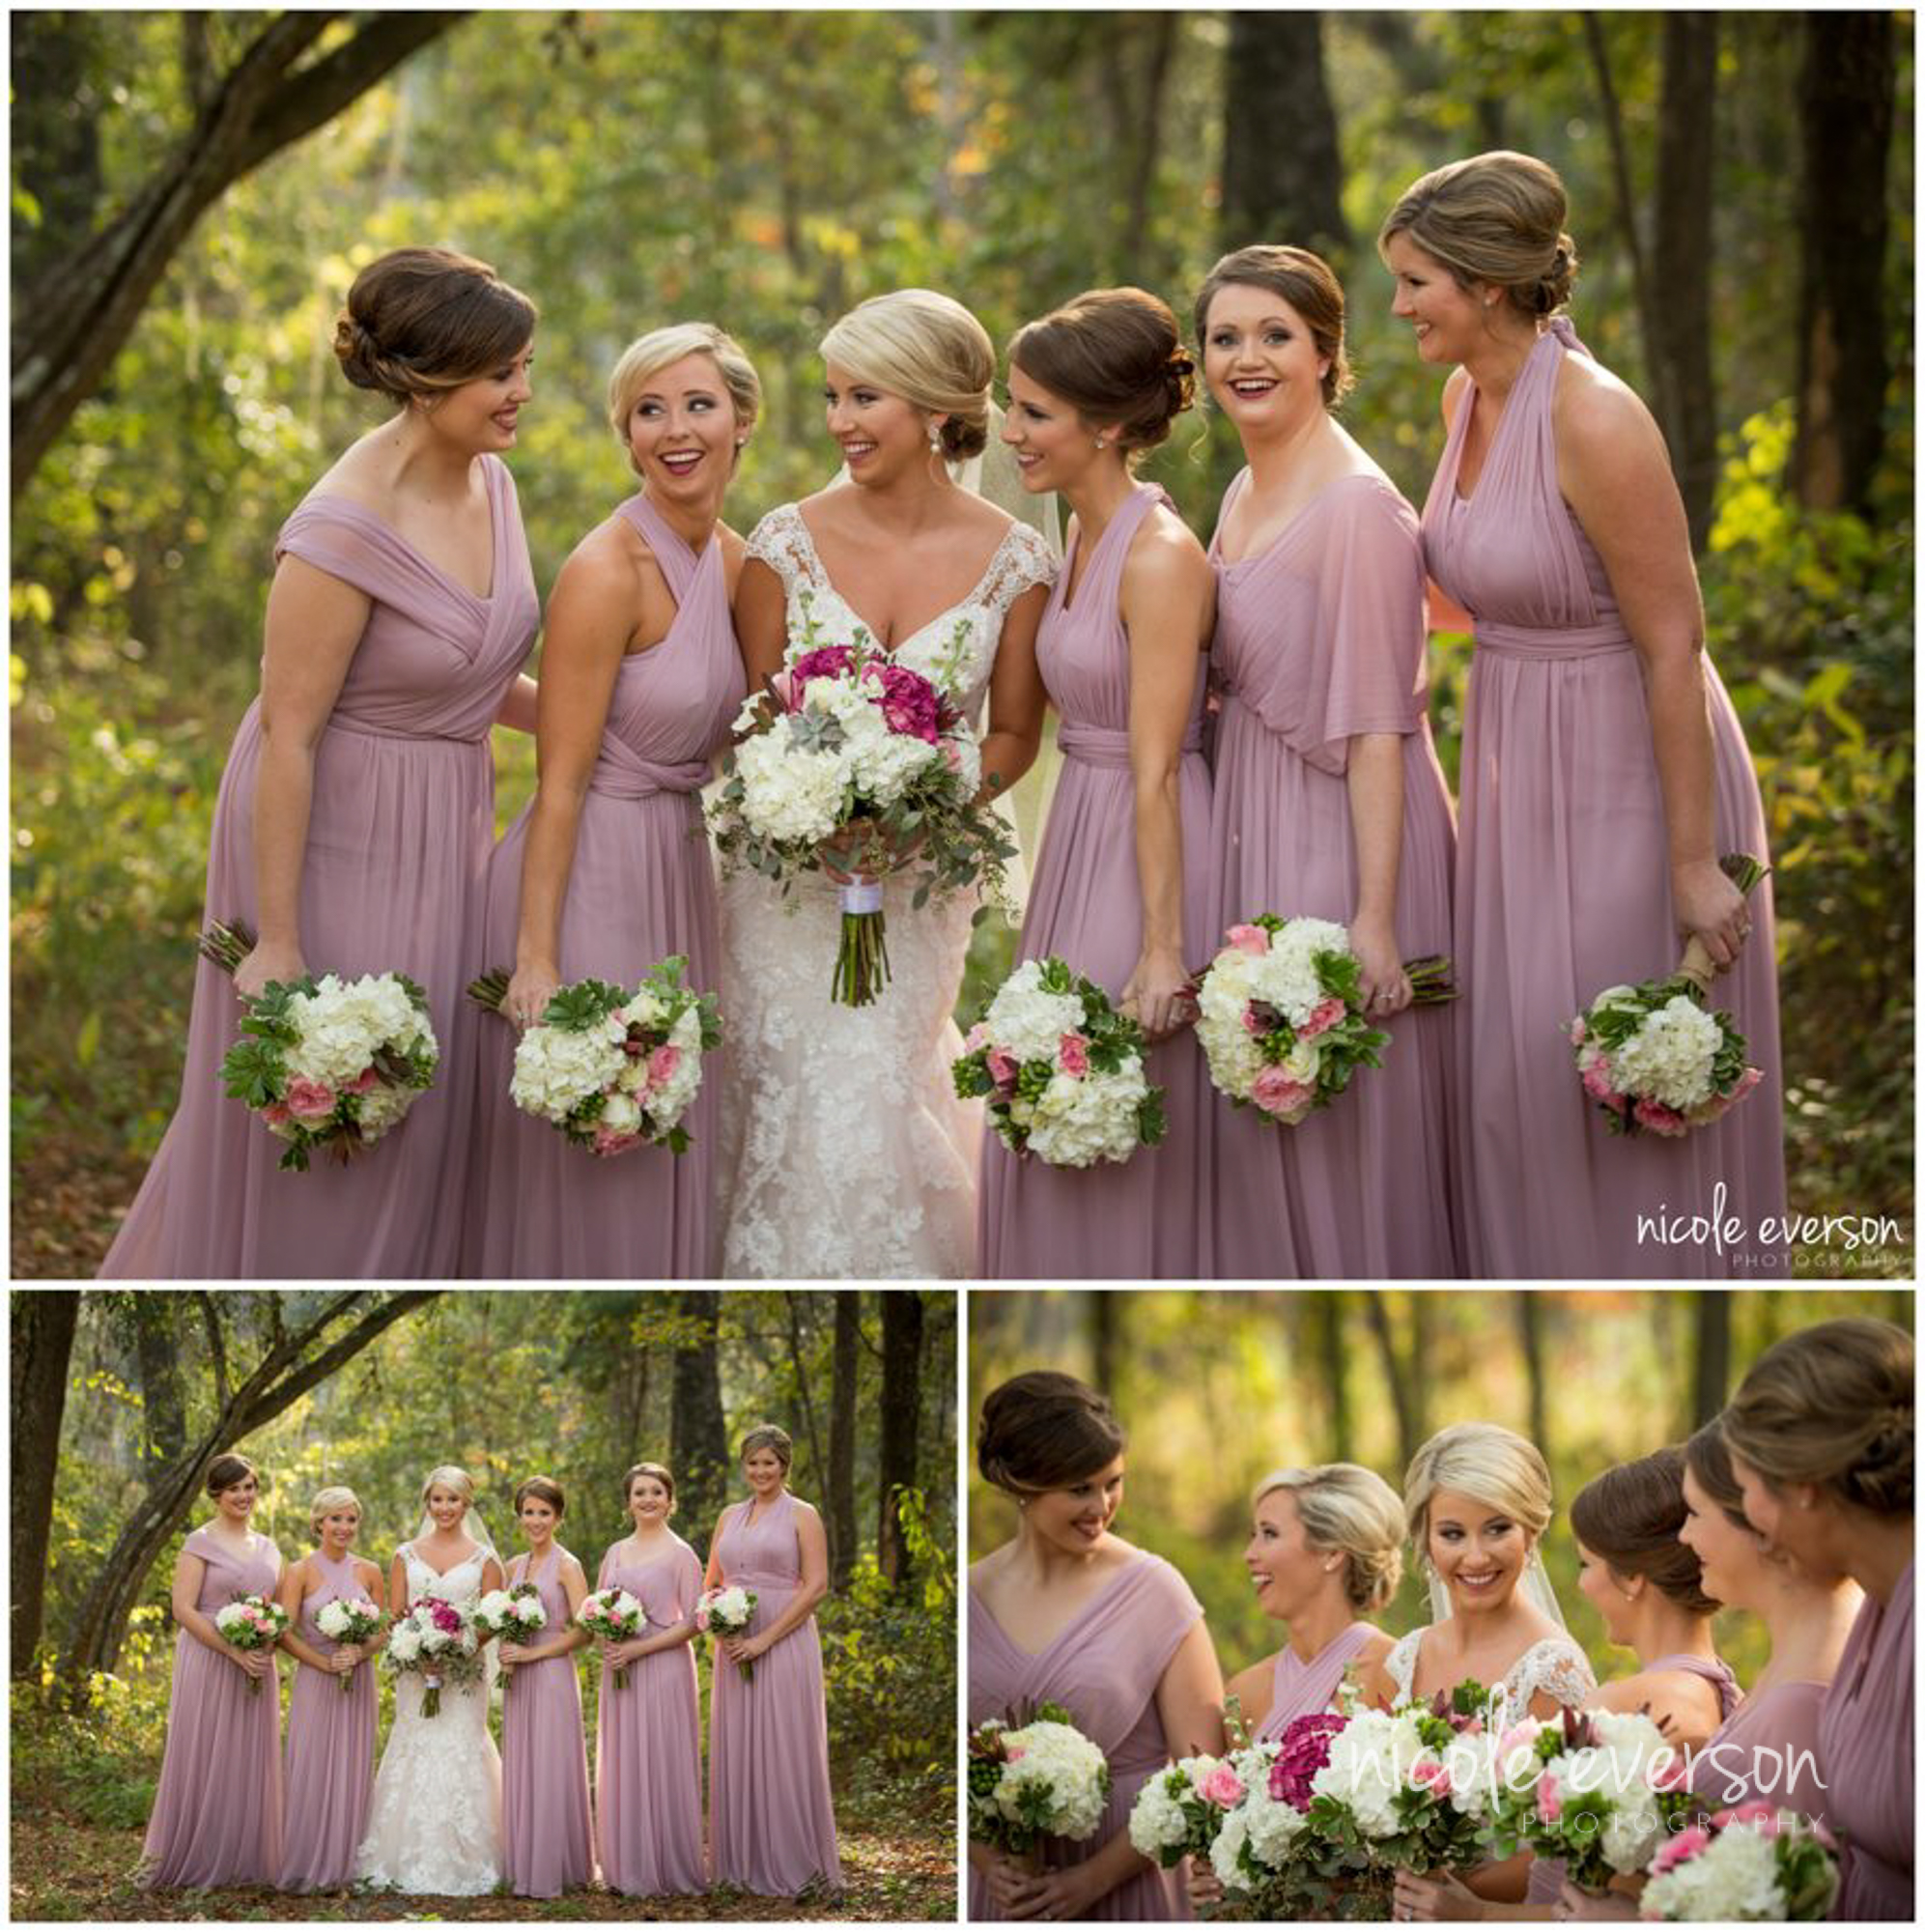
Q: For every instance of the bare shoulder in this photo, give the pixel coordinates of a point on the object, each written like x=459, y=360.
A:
x=1373, y=1652
x=1252, y=1688
x=1598, y=417
x=806, y=1509
x=980, y=516
x=366, y=1574
x=1165, y=555
x=734, y=545
x=1455, y=383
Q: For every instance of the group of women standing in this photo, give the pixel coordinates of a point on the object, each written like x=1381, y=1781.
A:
x=1794, y=1506
x=446, y=1813
x=1602, y=774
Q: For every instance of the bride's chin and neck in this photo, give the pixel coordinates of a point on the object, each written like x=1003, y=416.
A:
x=916, y=494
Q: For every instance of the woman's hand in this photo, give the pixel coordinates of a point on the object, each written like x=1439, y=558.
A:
x=513, y=1653
x=1158, y=994
x=1439, y=1896
x=864, y=854
x=1572, y=1902
x=745, y=1649
x=345, y=1659
x=270, y=961
x=1205, y=1888
x=255, y=1662
x=1711, y=910
x=529, y=991
x=1385, y=986
x=1053, y=1894
x=1007, y=1882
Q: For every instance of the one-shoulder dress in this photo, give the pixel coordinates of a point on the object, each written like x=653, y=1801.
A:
x=1564, y=890
x=402, y=823
x=641, y=888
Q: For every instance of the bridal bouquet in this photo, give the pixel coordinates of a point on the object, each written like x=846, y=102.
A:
x=1179, y=1812
x=1599, y=1789
x=514, y=1612
x=613, y=1069
x=1042, y=1778
x=1265, y=1851
x=438, y=1641
x=1753, y=1862
x=251, y=1623
x=615, y=1616
x=1281, y=1014
x=1653, y=1056
x=347, y=1621
x=728, y=1612
x=326, y=1063
x=873, y=759
x=1061, y=1069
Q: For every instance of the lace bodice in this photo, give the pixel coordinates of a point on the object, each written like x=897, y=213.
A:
x=956, y=649
x=452, y=1586
x=1555, y=1664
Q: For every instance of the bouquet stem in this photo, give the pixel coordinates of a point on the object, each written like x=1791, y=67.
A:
x=227, y=943
x=253, y=1686
x=431, y=1697
x=347, y=1679
x=490, y=990
x=861, y=965
x=1743, y=871
x=621, y=1677
x=1431, y=980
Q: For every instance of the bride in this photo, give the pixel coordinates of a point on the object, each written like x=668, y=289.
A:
x=846, y=1151
x=435, y=1822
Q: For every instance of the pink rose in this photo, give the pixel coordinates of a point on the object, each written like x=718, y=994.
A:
x=1519, y=1736
x=1072, y=1054
x=365, y=1079
x=1323, y=1017
x=310, y=1100
x=1597, y=1079
x=1221, y=1786
x=1756, y=1811
x=979, y=1038
x=1003, y=1067
x=1014, y=1753
x=1253, y=1022
x=1577, y=1032
x=609, y=1143
x=784, y=686
x=952, y=756
x=661, y=1065
x=1276, y=1093
x=1551, y=1805
x=1429, y=1774
x=1250, y=939
x=1659, y=1119
x=1683, y=1845
x=276, y=1114
x=1746, y=1080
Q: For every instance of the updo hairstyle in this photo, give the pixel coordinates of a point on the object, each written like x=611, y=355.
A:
x=543, y=1489
x=645, y=358
x=448, y=1477
x=1493, y=1464
x=1832, y=1406
x=224, y=1472
x=1496, y=218
x=1708, y=1461
x=1115, y=357
x=1630, y=1516
x=1305, y=282
x=1351, y=1512
x=423, y=321
x=767, y=1436
x=1044, y=1429
x=927, y=348
x=336, y=1495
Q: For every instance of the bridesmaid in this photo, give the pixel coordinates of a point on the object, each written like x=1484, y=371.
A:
x=218, y=1813
x=330, y=1756
x=1121, y=884
x=607, y=871
x=547, y=1847
x=1329, y=798
x=1603, y=771
x=1821, y=1439
x=1068, y=1612
x=649, y=1750
x=356, y=810
x=772, y=1826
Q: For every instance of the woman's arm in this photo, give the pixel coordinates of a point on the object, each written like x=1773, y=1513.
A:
x=590, y=623
x=314, y=625
x=1374, y=777
x=492, y=1577
x=761, y=622
x=1017, y=700
x=184, y=1600
x=397, y=1587
x=712, y=1575
x=292, y=1593
x=519, y=704
x=812, y=1546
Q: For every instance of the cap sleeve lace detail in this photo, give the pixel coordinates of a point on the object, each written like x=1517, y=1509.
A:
x=780, y=540
x=1401, y=1666
x=1022, y=561
x=1554, y=1666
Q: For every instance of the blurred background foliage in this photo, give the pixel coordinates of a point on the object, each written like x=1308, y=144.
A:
x=1217, y=1388
x=769, y=170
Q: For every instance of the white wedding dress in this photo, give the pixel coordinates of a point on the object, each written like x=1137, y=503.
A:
x=845, y=1151
x=435, y=1823
x=1553, y=1663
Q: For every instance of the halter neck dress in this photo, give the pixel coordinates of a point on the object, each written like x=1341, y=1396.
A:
x=1564, y=890
x=640, y=887
x=1301, y=1687
x=547, y=1845
x=1767, y=1749
x=1866, y=1752
x=330, y=1755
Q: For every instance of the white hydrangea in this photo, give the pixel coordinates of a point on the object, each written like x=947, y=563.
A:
x=669, y=1101
x=1028, y=1021
x=1619, y=1768
x=1066, y=1766
x=1366, y=1765
x=1156, y=1819
x=1735, y=1877
x=403, y=1646
x=788, y=793
x=1078, y=1123
x=1670, y=1057
x=555, y=1069
x=382, y=1106
x=621, y=1113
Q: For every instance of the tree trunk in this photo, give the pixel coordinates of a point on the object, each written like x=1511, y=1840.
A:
x=804, y=1400
x=1845, y=103
x=43, y=1324
x=1136, y=107
x=841, y=1498
x=1711, y=1354
x=1282, y=177
x=164, y=1404
x=901, y=1422
x=74, y=320
x=1530, y=1339
x=698, y=1433
x=1106, y=1317
x=1407, y=1385
x=1327, y=1322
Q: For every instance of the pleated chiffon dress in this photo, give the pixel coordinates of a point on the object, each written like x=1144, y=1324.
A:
x=1768, y=1748
x=547, y=1844
x=1866, y=1752
x=216, y=1818
x=330, y=1753
x=772, y=1822
x=640, y=888
x=1564, y=890
x=402, y=824
x=1136, y=1219
x=1301, y=1687
x=1104, y=1669
x=1321, y=638
x=648, y=1749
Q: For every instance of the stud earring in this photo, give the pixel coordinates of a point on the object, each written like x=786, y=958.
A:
x=742, y=442
x=935, y=435
x=1099, y=442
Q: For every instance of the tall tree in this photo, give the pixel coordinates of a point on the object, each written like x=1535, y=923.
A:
x=697, y=1431
x=163, y=1402
x=1282, y=177
x=1406, y=1371
x=901, y=1416
x=44, y=1321
x=1530, y=1309
x=1136, y=54
x=1326, y=1318
x=1711, y=1354
x=845, y=1360
x=1106, y=1341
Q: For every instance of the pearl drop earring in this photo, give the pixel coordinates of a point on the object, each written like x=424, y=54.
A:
x=935, y=435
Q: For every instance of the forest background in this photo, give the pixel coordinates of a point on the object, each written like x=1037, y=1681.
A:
x=1216, y=1389
x=121, y=1398
x=193, y=194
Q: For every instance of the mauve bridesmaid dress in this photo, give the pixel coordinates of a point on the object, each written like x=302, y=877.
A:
x=1320, y=640
x=1563, y=888
x=1865, y=1750
x=547, y=1846
x=1136, y=1219
x=642, y=886
x=1104, y=1671
x=402, y=823
x=1767, y=1749
x=331, y=1758
x=772, y=1825
x=1299, y=1688
x=648, y=1749
x=217, y=1813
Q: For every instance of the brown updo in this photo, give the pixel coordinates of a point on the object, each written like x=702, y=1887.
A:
x=1295, y=276
x=543, y=1489
x=1115, y=357
x=1832, y=1406
x=423, y=321
x=224, y=1472
x=1044, y=1429
x=658, y=1470
x=1710, y=1464
x=1630, y=1517
x=1496, y=218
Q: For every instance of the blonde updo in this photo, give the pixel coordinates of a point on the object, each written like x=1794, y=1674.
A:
x=1115, y=355
x=927, y=348
x=1833, y=1405
x=448, y=1477
x=1496, y=218
x=423, y=321
x=643, y=359
x=336, y=1497
x=1493, y=1466
x=1352, y=1512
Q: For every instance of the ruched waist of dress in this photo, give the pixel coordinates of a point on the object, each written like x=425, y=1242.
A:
x=364, y=728
x=1105, y=746
x=1552, y=641
x=760, y=1580
x=633, y=778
